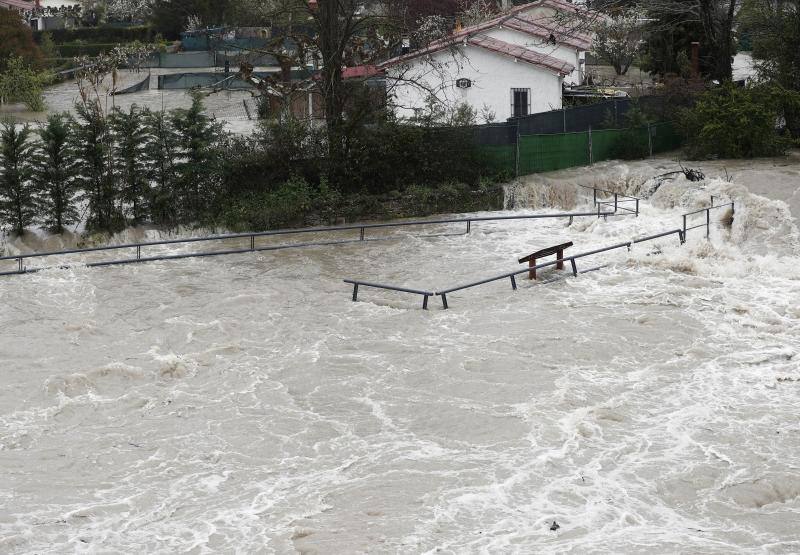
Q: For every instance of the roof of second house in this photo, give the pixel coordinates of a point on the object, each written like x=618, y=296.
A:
x=19, y=4
x=488, y=43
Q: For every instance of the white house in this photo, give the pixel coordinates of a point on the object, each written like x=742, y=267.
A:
x=512, y=65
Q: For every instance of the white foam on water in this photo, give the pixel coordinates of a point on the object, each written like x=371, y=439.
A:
x=245, y=403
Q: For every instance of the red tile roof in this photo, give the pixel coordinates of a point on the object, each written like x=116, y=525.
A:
x=530, y=26
x=356, y=72
x=493, y=45
x=522, y=53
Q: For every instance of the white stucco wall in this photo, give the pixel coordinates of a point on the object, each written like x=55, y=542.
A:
x=560, y=51
x=492, y=75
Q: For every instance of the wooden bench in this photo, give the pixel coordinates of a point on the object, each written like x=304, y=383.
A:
x=558, y=250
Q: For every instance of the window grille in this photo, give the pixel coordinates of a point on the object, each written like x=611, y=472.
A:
x=520, y=102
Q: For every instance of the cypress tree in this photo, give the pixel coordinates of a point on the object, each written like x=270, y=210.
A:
x=55, y=173
x=93, y=146
x=161, y=153
x=18, y=196
x=130, y=166
x=199, y=138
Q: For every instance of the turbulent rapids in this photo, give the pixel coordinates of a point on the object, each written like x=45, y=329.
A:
x=245, y=403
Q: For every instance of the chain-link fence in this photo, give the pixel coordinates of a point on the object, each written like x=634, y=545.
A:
x=554, y=151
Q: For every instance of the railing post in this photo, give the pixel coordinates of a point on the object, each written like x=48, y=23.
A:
x=444, y=301
x=138, y=252
x=355, y=292
x=637, y=207
x=252, y=242
x=469, y=223
x=684, y=228
x=21, y=270
x=598, y=211
x=362, y=234
x=615, y=202
x=712, y=201
x=594, y=193
x=425, y=302
x=513, y=283
x=708, y=223
x=574, y=267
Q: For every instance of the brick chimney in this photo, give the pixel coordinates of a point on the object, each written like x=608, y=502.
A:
x=695, y=60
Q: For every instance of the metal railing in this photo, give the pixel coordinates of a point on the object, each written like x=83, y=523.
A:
x=253, y=247
x=508, y=275
x=707, y=223
x=614, y=201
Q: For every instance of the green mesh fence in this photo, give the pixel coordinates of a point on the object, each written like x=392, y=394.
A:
x=604, y=144
x=542, y=153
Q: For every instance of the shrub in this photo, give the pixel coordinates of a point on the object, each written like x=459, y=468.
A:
x=633, y=143
x=733, y=122
x=98, y=35
x=287, y=205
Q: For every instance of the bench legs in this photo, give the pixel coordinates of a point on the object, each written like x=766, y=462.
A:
x=532, y=264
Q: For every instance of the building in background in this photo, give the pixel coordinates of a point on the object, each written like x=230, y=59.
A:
x=510, y=66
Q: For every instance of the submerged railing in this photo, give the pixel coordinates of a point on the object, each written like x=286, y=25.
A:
x=253, y=247
x=681, y=233
x=507, y=275
x=707, y=223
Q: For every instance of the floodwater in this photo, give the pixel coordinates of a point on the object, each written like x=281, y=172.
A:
x=244, y=403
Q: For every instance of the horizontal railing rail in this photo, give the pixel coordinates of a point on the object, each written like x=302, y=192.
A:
x=20, y=258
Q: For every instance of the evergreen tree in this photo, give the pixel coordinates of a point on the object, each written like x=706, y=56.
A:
x=130, y=165
x=18, y=198
x=55, y=173
x=161, y=153
x=199, y=136
x=94, y=152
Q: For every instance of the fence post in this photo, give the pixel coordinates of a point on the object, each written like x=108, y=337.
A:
x=708, y=223
x=684, y=227
x=650, y=139
x=591, y=154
